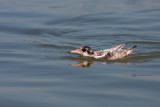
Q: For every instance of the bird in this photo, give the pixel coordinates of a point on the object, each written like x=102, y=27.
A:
x=113, y=53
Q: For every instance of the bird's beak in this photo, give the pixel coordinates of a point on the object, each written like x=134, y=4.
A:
x=75, y=51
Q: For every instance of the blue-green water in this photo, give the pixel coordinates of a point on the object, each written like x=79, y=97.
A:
x=36, y=69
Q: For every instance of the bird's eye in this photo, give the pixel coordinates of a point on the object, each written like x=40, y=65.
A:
x=83, y=50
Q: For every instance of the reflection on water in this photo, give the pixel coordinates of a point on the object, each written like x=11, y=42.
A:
x=83, y=64
x=89, y=63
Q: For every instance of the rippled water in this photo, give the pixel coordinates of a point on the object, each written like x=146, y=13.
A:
x=36, y=69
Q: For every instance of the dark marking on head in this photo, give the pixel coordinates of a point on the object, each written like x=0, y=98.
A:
x=83, y=49
x=90, y=52
x=87, y=49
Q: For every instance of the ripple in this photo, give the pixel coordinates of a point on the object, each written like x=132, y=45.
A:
x=147, y=42
x=55, y=46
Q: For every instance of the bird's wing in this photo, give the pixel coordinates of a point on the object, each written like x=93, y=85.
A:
x=117, y=47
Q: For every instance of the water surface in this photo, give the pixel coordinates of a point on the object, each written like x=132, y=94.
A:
x=37, y=70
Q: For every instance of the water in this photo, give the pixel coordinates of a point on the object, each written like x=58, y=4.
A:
x=36, y=69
